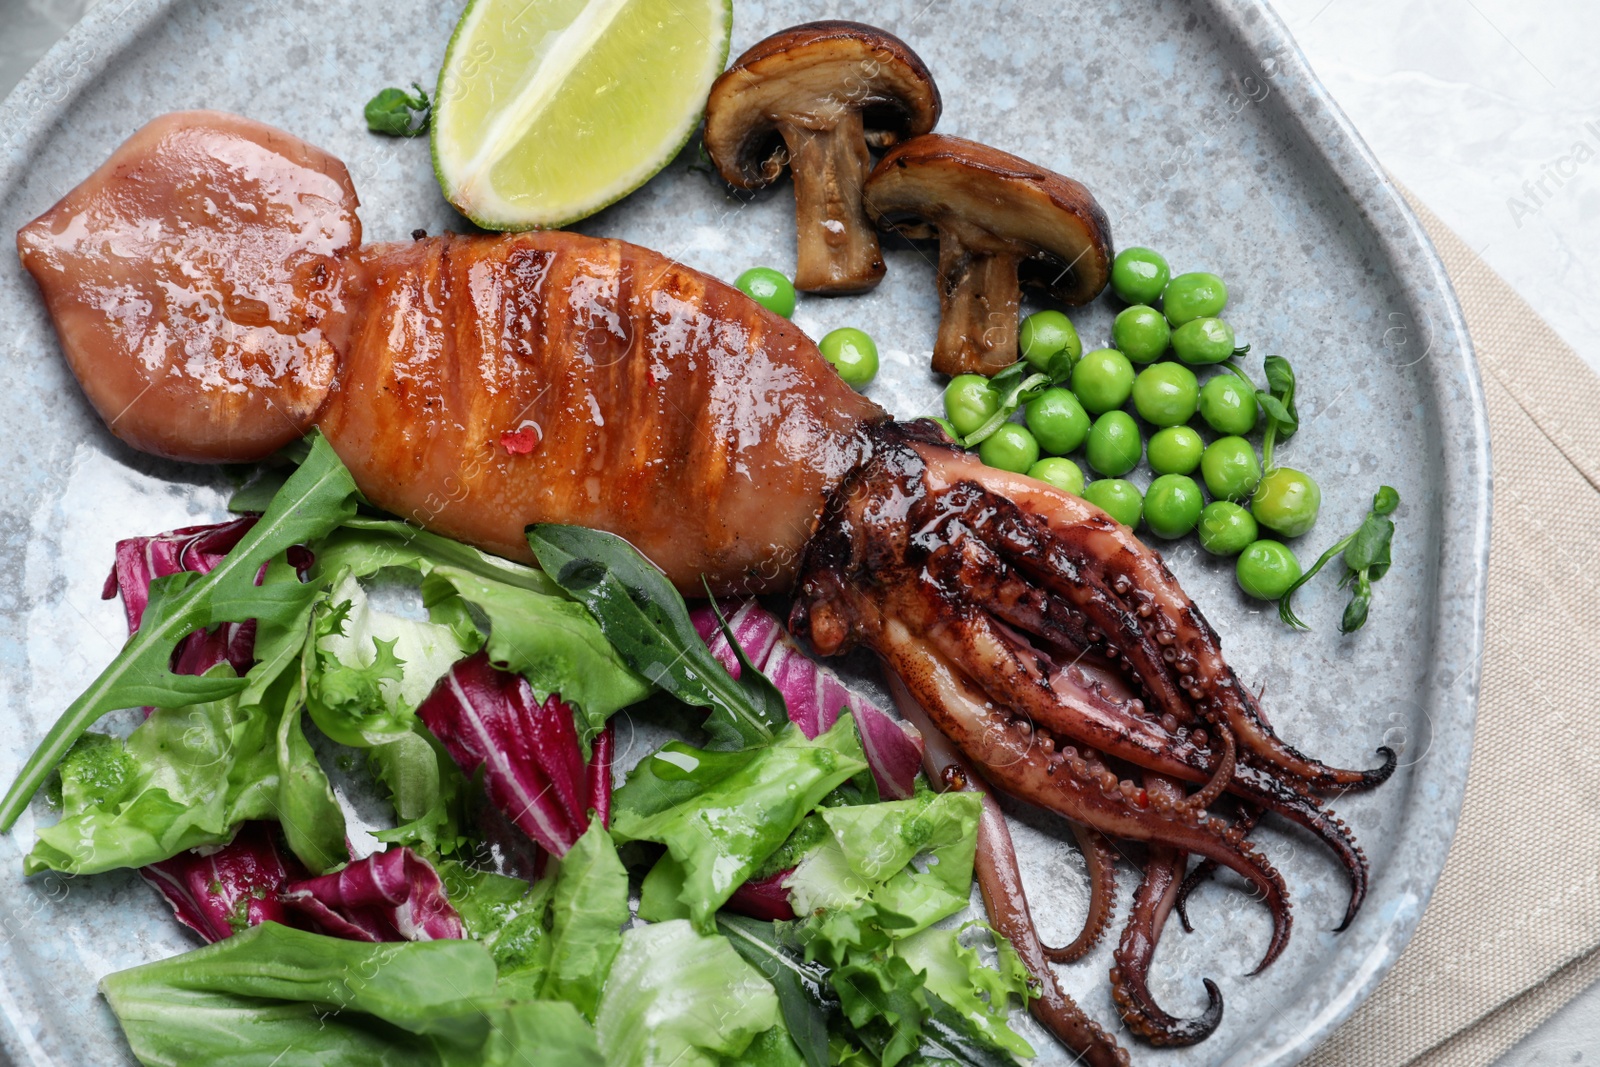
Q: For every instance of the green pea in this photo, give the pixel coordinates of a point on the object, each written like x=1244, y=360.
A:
x=1226, y=528
x=1064, y=474
x=852, y=353
x=944, y=424
x=1166, y=394
x=1044, y=334
x=1175, y=450
x=1057, y=420
x=1201, y=341
x=1113, y=446
x=769, y=288
x=1266, y=569
x=1117, y=497
x=1138, y=275
x=1198, y=295
x=1102, y=380
x=1011, y=448
x=1228, y=405
x=1141, y=333
x=969, y=400
x=1286, y=501
x=1230, y=468
x=1172, y=505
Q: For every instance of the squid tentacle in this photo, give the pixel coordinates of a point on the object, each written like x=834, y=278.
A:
x=1101, y=860
x=1079, y=552
x=1203, y=870
x=1027, y=764
x=1130, y=991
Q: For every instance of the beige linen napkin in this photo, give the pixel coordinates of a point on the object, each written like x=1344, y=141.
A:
x=1513, y=931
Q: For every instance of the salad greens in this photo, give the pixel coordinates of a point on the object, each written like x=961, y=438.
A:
x=721, y=814
x=271, y=990
x=186, y=777
x=679, y=997
x=645, y=619
x=417, y=955
x=315, y=500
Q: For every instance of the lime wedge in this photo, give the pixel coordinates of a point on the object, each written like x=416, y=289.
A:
x=548, y=110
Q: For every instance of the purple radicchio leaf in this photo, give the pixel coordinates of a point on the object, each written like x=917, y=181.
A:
x=218, y=890
x=815, y=695
x=394, y=895
x=141, y=560
x=533, y=767
x=764, y=898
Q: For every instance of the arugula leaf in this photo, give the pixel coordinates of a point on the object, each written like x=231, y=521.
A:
x=398, y=113
x=804, y=997
x=645, y=620
x=315, y=500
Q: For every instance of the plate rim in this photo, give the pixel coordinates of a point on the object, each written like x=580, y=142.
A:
x=32, y=112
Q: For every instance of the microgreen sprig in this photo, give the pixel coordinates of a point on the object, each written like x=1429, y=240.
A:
x=1016, y=387
x=1366, y=559
x=398, y=113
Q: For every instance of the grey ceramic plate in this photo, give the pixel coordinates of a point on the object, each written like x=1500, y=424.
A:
x=1203, y=133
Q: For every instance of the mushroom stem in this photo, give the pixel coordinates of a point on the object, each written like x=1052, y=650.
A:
x=837, y=248
x=978, y=299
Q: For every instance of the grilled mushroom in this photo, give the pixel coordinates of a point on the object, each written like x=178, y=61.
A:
x=815, y=98
x=1001, y=222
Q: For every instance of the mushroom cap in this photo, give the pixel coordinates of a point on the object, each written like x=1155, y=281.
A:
x=994, y=202
x=809, y=75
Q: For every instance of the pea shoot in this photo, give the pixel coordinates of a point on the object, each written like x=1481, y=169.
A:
x=1014, y=387
x=1366, y=559
x=398, y=113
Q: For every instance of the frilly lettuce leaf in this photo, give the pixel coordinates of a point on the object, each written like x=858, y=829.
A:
x=721, y=814
x=366, y=671
x=955, y=974
x=681, y=998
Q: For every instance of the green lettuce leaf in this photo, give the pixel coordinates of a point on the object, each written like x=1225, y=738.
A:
x=862, y=889
x=804, y=996
x=721, y=814
x=535, y=628
x=187, y=777
x=428, y=791
x=677, y=997
x=314, y=501
x=981, y=994
x=587, y=910
x=269, y=990
x=506, y=914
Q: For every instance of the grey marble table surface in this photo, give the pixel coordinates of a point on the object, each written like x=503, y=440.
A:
x=1489, y=110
